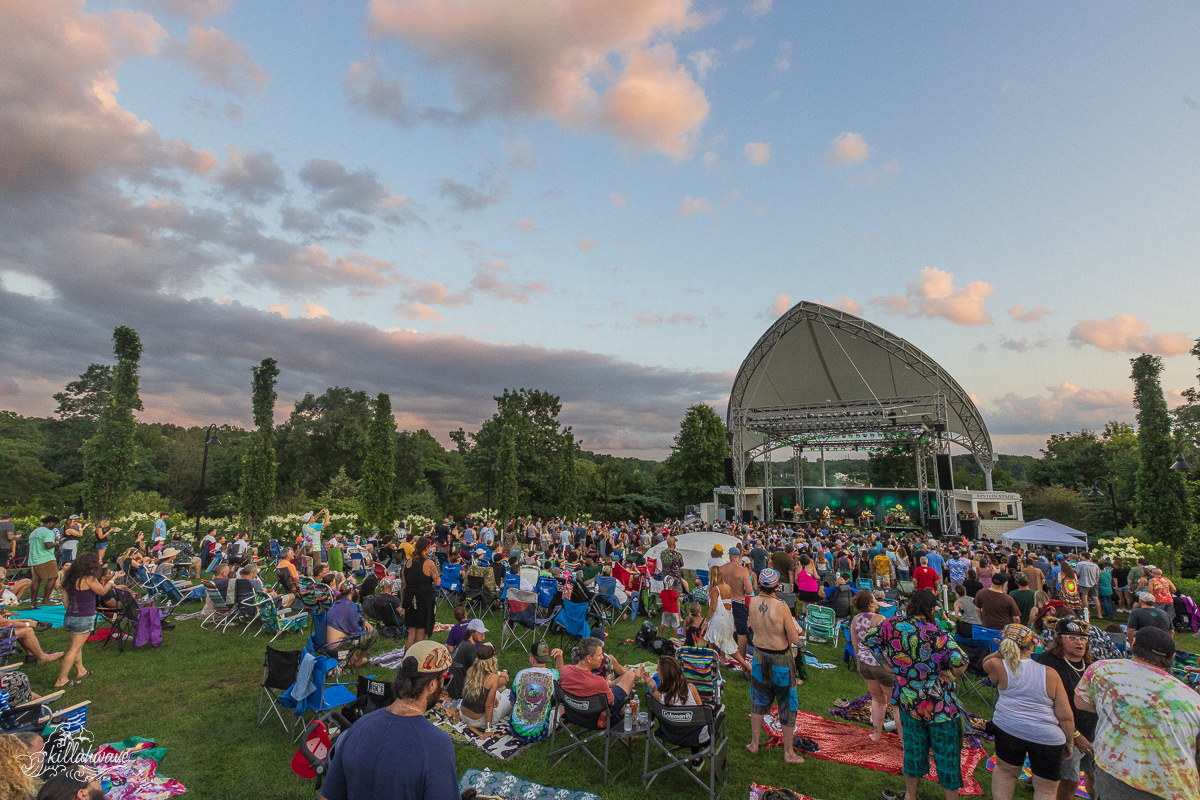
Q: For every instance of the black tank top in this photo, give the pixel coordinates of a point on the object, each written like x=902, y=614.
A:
x=415, y=579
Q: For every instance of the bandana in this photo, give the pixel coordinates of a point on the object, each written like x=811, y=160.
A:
x=1023, y=636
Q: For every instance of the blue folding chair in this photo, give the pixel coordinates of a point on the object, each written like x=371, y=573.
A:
x=866, y=584
x=510, y=582
x=572, y=619
x=276, y=551
x=451, y=589
x=358, y=565
x=605, y=604
x=321, y=698
x=520, y=625
x=702, y=576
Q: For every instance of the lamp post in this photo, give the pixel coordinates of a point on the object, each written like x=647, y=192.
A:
x=491, y=477
x=1181, y=463
x=1112, y=495
x=210, y=437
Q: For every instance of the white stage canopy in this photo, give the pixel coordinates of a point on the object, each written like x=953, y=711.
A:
x=1046, y=532
x=696, y=548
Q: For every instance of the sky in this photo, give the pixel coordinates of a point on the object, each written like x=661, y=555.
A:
x=609, y=201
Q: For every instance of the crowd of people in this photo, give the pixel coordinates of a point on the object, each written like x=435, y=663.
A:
x=1079, y=692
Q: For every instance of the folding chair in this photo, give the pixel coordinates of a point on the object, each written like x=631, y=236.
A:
x=509, y=582
x=821, y=624
x=451, y=586
x=678, y=729
x=572, y=619
x=222, y=609
x=358, y=564
x=975, y=680
x=582, y=713
x=605, y=604
x=247, y=607
x=275, y=550
x=547, y=589
x=702, y=577
x=701, y=668
x=279, y=674
x=273, y=621
x=29, y=717
x=8, y=644
x=787, y=598
x=531, y=574
x=865, y=584
x=475, y=598
x=122, y=620
x=519, y=624
x=322, y=698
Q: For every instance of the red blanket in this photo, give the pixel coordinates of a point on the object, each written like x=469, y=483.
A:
x=849, y=744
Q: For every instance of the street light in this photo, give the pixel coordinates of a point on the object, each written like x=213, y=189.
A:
x=1096, y=495
x=1181, y=463
x=491, y=477
x=210, y=437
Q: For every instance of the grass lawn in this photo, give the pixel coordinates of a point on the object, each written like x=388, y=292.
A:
x=197, y=695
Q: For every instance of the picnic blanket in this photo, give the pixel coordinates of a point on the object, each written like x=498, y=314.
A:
x=51, y=614
x=848, y=744
x=510, y=787
x=757, y=791
x=859, y=710
x=389, y=660
x=501, y=744
x=129, y=771
x=1027, y=775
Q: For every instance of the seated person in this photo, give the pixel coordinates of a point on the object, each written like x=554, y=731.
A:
x=184, y=556
x=368, y=586
x=464, y=657
x=532, y=695
x=579, y=679
x=485, y=700
x=611, y=668
x=673, y=690
x=478, y=570
x=622, y=595
x=250, y=583
x=24, y=629
x=384, y=599
x=344, y=621
x=11, y=594
x=286, y=572
x=459, y=631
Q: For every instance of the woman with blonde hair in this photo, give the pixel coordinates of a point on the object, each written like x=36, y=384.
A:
x=484, y=701
x=719, y=630
x=1033, y=716
x=15, y=784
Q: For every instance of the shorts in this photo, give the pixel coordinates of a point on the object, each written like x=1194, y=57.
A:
x=944, y=739
x=47, y=570
x=618, y=705
x=670, y=620
x=1078, y=762
x=741, y=617
x=809, y=597
x=773, y=682
x=79, y=624
x=877, y=672
x=1045, y=760
x=1089, y=591
x=1109, y=788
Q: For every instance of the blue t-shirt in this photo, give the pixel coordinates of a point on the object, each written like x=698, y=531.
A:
x=935, y=563
x=160, y=530
x=367, y=766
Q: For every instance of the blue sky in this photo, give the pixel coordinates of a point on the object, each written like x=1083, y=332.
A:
x=610, y=202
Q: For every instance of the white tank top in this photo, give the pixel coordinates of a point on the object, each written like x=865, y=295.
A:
x=1024, y=710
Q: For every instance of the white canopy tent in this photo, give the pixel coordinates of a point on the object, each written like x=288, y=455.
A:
x=1046, y=532
x=696, y=548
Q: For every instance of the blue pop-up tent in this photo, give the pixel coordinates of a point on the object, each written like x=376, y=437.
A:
x=1046, y=532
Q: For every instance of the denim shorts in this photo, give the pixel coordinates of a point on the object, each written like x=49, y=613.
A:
x=79, y=624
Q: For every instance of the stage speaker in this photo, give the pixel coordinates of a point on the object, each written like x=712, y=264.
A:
x=729, y=472
x=970, y=529
x=747, y=515
x=945, y=473
x=934, y=526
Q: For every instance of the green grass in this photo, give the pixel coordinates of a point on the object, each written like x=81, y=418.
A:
x=197, y=696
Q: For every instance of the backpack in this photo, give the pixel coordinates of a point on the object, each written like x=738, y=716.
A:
x=843, y=596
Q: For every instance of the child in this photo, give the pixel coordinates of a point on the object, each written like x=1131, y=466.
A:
x=691, y=629
x=669, y=599
x=459, y=631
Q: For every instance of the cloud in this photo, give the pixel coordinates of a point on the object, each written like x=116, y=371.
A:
x=1064, y=408
x=300, y=267
x=710, y=160
x=693, y=205
x=491, y=277
x=493, y=187
x=757, y=153
x=1034, y=314
x=1125, y=333
x=742, y=43
x=525, y=225
x=783, y=64
x=585, y=65
x=417, y=310
x=252, y=177
x=282, y=310
x=190, y=9
x=704, y=60
x=758, y=8
x=617, y=200
x=592, y=326
x=587, y=244
x=649, y=319
x=1022, y=345
x=933, y=295
x=314, y=311
x=780, y=305
x=219, y=61
x=338, y=189
x=870, y=176
x=520, y=155
x=847, y=150
x=847, y=304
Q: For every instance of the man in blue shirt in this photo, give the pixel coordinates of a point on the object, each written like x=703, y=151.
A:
x=367, y=766
x=936, y=562
x=160, y=530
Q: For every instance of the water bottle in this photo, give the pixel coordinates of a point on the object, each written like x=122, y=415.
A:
x=628, y=717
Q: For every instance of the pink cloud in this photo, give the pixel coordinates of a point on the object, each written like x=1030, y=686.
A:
x=587, y=244
x=847, y=150
x=314, y=311
x=428, y=293
x=757, y=153
x=693, y=205
x=190, y=9
x=1125, y=333
x=281, y=309
x=617, y=200
x=847, y=304
x=1065, y=407
x=221, y=61
x=648, y=318
x=780, y=305
x=1034, y=314
x=491, y=277
x=586, y=65
x=526, y=226
x=933, y=295
x=417, y=310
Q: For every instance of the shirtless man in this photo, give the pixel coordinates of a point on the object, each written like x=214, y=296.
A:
x=773, y=670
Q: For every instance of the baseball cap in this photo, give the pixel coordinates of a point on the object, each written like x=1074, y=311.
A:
x=1156, y=641
x=598, y=633
x=479, y=551
x=73, y=516
x=718, y=548
x=768, y=578
x=1072, y=626
x=1146, y=597
x=477, y=626
x=540, y=653
x=733, y=551
x=431, y=656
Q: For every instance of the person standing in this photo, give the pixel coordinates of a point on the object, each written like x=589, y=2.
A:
x=1069, y=655
x=421, y=576
x=878, y=676
x=672, y=567
x=742, y=586
x=719, y=629
x=311, y=530
x=1148, y=724
x=81, y=587
x=996, y=608
x=362, y=769
x=159, y=539
x=103, y=531
x=1088, y=573
x=43, y=567
x=8, y=538
x=925, y=576
x=926, y=662
x=1024, y=597
x=773, y=670
x=1033, y=575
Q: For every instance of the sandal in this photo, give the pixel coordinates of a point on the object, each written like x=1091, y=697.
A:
x=42, y=626
x=87, y=674
x=68, y=683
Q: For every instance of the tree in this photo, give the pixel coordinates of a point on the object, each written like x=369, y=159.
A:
x=23, y=480
x=1162, y=495
x=1070, y=459
x=507, y=485
x=379, y=468
x=1058, y=503
x=110, y=456
x=892, y=469
x=258, y=465
x=322, y=436
x=697, y=460
x=568, y=504
x=88, y=396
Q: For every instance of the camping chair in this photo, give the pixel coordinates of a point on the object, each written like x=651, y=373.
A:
x=272, y=621
x=451, y=586
x=531, y=574
x=582, y=713
x=509, y=582
x=605, y=603
x=8, y=644
x=1183, y=660
x=821, y=624
x=275, y=550
x=676, y=730
x=475, y=598
x=122, y=620
x=322, y=697
x=787, y=598
x=975, y=680
x=246, y=607
x=70, y=720
x=702, y=577
x=380, y=571
x=222, y=609
x=519, y=624
x=572, y=619
x=29, y=717
x=358, y=564
x=865, y=584
x=279, y=673
x=702, y=669
x=160, y=586
x=547, y=589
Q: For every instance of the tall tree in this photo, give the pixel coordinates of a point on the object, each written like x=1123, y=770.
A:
x=88, y=396
x=258, y=465
x=109, y=456
x=697, y=460
x=1162, y=499
x=568, y=504
x=379, y=468
x=322, y=436
x=506, y=483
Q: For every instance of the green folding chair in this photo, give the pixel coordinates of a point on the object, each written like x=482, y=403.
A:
x=821, y=624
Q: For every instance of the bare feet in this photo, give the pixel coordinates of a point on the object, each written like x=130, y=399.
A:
x=792, y=758
x=875, y=736
x=753, y=748
x=50, y=657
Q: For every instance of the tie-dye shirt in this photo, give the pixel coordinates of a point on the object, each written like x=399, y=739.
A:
x=918, y=651
x=1149, y=721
